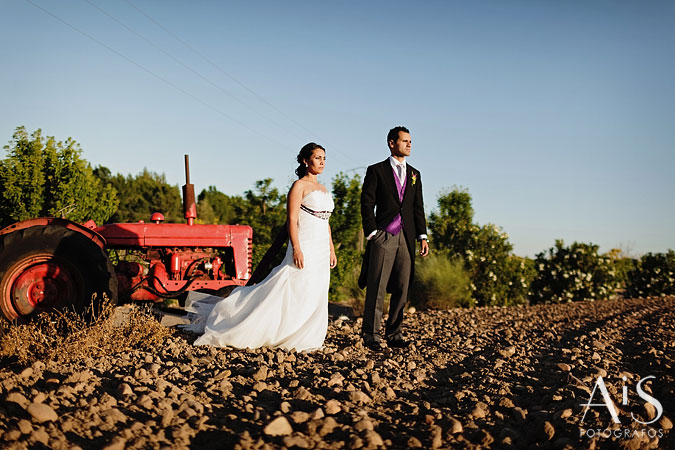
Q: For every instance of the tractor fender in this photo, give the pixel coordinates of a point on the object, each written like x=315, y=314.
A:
x=87, y=228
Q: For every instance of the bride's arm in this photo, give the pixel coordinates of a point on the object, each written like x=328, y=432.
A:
x=292, y=212
x=333, y=258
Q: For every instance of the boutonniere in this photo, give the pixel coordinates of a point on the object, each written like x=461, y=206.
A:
x=414, y=178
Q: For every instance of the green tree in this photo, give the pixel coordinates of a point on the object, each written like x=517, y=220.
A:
x=215, y=207
x=345, y=221
x=488, y=264
x=142, y=195
x=43, y=177
x=452, y=226
x=497, y=276
x=347, y=236
x=264, y=209
x=205, y=213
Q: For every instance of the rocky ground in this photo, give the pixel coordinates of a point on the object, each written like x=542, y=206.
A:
x=482, y=378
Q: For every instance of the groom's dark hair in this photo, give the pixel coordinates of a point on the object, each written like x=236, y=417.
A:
x=393, y=133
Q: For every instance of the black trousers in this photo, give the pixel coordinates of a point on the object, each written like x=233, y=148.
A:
x=389, y=265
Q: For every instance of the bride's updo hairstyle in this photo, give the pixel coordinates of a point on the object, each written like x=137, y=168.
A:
x=305, y=155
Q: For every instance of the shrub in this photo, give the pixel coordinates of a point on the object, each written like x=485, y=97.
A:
x=574, y=273
x=520, y=272
x=491, y=267
x=440, y=282
x=497, y=277
x=344, y=277
x=652, y=275
x=349, y=291
x=623, y=265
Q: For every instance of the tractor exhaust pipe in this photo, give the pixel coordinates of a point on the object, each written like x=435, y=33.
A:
x=189, y=204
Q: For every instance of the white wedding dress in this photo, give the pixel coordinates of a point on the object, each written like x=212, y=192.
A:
x=289, y=308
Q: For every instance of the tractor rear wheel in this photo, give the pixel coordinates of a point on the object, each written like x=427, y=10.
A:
x=45, y=267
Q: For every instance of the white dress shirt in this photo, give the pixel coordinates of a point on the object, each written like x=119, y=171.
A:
x=394, y=165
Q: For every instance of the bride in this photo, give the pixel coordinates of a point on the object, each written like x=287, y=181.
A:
x=289, y=308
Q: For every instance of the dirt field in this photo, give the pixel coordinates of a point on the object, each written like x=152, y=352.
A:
x=482, y=378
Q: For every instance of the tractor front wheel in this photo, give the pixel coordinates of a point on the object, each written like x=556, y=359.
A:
x=45, y=267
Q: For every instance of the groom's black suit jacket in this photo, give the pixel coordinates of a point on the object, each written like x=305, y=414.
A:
x=380, y=204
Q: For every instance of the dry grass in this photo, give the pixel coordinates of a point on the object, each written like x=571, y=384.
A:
x=64, y=336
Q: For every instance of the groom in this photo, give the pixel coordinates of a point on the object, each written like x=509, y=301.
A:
x=392, y=211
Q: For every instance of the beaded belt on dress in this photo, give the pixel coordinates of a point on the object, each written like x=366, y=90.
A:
x=320, y=214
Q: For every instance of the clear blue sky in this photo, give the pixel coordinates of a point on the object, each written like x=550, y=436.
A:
x=557, y=116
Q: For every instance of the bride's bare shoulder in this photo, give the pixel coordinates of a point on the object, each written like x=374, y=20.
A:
x=298, y=188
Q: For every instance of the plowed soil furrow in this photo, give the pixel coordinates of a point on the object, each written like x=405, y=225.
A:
x=509, y=378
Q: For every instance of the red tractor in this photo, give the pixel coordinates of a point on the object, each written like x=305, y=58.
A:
x=51, y=262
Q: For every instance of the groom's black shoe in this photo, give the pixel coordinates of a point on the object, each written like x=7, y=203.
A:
x=373, y=346
x=398, y=343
